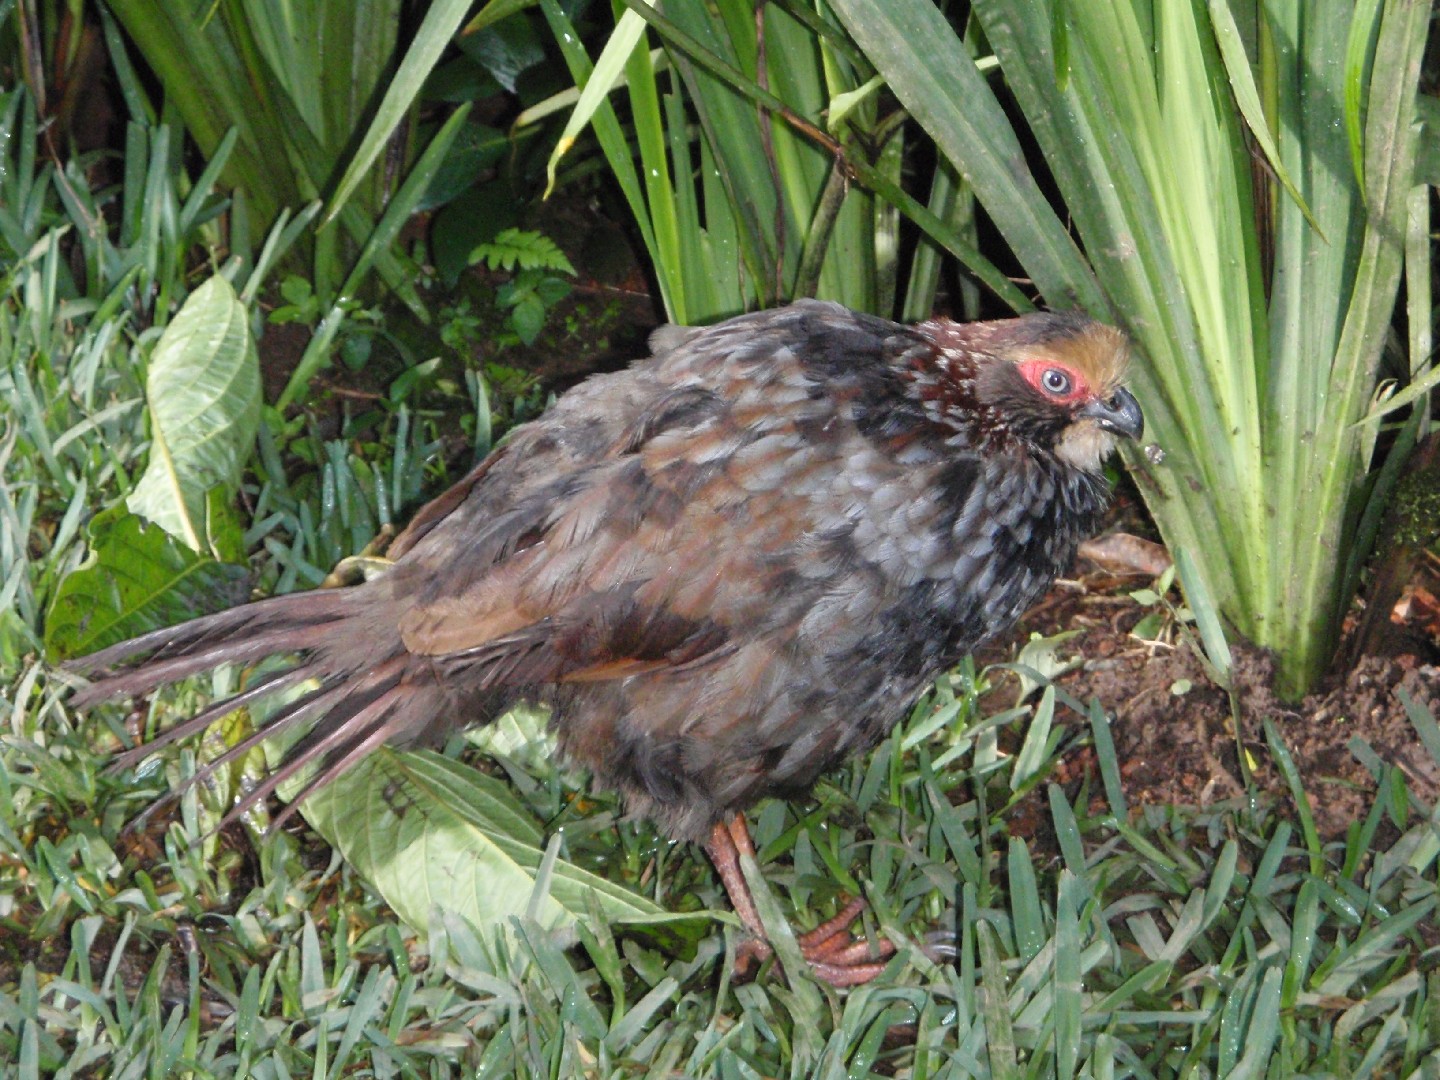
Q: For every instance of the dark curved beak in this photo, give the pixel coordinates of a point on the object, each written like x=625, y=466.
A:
x=1120, y=414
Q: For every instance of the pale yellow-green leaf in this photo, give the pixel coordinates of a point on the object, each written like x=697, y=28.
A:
x=203, y=395
x=430, y=832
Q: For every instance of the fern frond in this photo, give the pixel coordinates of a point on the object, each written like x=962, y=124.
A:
x=522, y=248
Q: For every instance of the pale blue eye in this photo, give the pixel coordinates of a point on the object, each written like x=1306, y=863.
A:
x=1056, y=382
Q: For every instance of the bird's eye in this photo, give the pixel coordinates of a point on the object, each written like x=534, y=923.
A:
x=1055, y=382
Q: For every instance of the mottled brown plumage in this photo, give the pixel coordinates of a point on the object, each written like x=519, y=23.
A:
x=725, y=569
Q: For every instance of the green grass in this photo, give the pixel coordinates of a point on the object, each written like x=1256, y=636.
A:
x=1180, y=941
x=1102, y=941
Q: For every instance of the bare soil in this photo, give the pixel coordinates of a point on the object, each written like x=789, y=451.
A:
x=1175, y=730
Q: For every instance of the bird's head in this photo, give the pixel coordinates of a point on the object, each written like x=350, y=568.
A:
x=1053, y=380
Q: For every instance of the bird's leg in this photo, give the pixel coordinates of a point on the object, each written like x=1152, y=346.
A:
x=833, y=954
x=726, y=857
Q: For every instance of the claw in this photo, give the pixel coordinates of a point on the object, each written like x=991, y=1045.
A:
x=835, y=956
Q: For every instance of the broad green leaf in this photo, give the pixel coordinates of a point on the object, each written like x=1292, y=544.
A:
x=1262, y=1027
x=203, y=393
x=1025, y=909
x=506, y=48
x=476, y=148
x=137, y=578
x=428, y=831
x=1036, y=750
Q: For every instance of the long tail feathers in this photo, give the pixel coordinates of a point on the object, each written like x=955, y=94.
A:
x=241, y=635
x=261, y=688
x=351, y=712
x=354, y=724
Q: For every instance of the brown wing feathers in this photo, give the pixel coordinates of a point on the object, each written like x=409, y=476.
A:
x=529, y=615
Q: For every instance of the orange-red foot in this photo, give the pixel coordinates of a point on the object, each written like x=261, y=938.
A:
x=834, y=955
